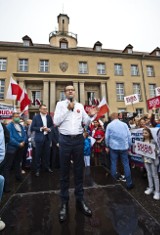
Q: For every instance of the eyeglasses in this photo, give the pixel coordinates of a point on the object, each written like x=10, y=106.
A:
x=70, y=90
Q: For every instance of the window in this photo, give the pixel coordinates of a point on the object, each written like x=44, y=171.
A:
x=23, y=65
x=98, y=48
x=62, y=96
x=2, y=86
x=152, y=92
x=90, y=98
x=83, y=68
x=140, y=112
x=26, y=43
x=63, y=45
x=137, y=90
x=150, y=71
x=130, y=51
x=101, y=68
x=36, y=97
x=44, y=66
x=118, y=69
x=120, y=91
x=3, y=64
x=134, y=70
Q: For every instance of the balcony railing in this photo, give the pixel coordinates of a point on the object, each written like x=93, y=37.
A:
x=62, y=33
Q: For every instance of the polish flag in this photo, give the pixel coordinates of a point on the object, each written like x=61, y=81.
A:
x=14, y=91
x=24, y=101
x=103, y=108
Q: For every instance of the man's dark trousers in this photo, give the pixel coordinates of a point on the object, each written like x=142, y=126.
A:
x=71, y=148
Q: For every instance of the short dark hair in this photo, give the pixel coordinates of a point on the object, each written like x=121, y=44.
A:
x=71, y=84
x=42, y=105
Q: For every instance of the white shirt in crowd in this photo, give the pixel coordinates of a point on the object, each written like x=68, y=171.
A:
x=70, y=122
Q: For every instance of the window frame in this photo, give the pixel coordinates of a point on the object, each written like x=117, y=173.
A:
x=43, y=68
x=150, y=71
x=134, y=70
x=152, y=91
x=121, y=95
x=83, y=67
x=118, y=69
x=101, y=68
x=24, y=66
x=139, y=93
x=3, y=64
x=2, y=88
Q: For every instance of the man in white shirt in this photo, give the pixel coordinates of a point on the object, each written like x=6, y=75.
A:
x=69, y=117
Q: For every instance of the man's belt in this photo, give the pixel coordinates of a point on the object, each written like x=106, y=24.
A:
x=72, y=136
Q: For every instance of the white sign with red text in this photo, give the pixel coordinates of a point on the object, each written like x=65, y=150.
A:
x=157, y=91
x=131, y=99
x=145, y=149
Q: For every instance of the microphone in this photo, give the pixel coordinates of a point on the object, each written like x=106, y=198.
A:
x=71, y=100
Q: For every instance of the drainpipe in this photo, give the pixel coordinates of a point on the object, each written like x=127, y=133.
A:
x=143, y=80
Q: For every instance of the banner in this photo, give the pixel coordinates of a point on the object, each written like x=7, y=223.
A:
x=157, y=91
x=132, y=99
x=145, y=149
x=6, y=111
x=137, y=135
x=153, y=102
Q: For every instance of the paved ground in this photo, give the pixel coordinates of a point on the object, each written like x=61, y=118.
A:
x=32, y=207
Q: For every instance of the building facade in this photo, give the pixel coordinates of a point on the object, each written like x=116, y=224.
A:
x=45, y=69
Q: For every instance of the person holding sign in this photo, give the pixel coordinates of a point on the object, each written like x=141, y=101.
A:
x=151, y=166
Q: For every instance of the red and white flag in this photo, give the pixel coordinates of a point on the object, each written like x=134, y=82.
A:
x=15, y=92
x=24, y=101
x=103, y=108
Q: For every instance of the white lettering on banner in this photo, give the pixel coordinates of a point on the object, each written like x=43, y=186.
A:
x=154, y=102
x=145, y=149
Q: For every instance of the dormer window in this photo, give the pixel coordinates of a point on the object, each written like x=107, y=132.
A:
x=97, y=46
x=130, y=51
x=157, y=53
x=63, y=43
x=26, y=43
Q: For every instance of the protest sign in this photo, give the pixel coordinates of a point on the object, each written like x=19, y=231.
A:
x=153, y=102
x=6, y=111
x=145, y=149
x=132, y=99
x=137, y=135
x=157, y=91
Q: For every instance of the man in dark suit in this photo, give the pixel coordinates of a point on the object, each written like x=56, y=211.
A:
x=42, y=124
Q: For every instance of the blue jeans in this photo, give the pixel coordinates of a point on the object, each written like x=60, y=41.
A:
x=1, y=186
x=123, y=154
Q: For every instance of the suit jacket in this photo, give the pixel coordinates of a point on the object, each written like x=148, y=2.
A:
x=37, y=123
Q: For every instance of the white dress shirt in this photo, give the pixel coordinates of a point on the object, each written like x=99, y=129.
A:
x=44, y=120
x=70, y=122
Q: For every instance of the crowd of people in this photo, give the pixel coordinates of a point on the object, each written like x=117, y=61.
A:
x=43, y=144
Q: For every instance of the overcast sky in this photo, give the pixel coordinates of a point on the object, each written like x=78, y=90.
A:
x=115, y=23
